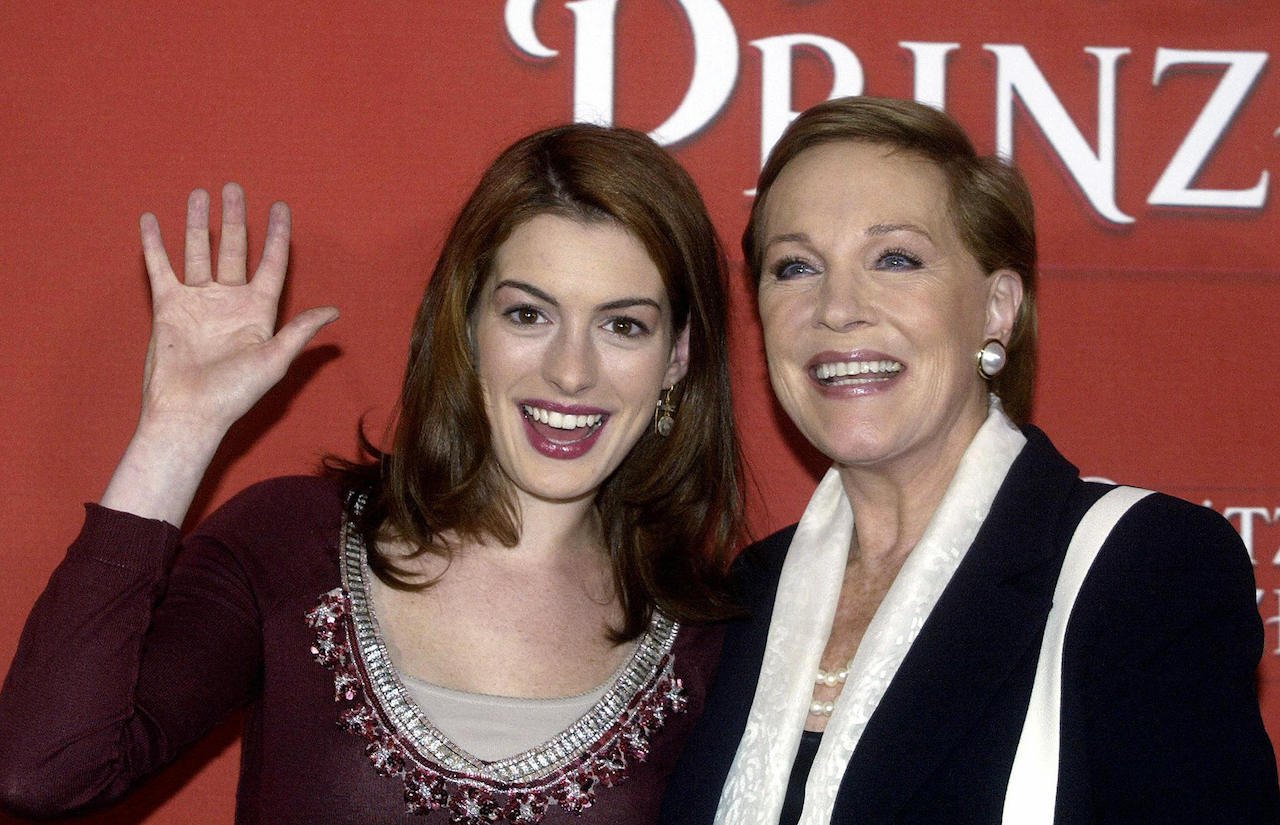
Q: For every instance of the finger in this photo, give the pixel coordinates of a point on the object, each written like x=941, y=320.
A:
x=196, y=272
x=233, y=248
x=159, y=271
x=295, y=335
x=275, y=250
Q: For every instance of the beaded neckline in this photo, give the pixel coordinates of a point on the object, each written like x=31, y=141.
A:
x=401, y=741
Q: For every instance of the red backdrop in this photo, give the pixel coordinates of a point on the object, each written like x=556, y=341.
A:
x=1148, y=131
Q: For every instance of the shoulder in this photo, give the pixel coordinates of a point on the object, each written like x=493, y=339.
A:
x=699, y=639
x=275, y=542
x=287, y=498
x=289, y=510
x=291, y=491
x=1160, y=540
x=1169, y=570
x=1163, y=539
x=757, y=569
x=697, y=652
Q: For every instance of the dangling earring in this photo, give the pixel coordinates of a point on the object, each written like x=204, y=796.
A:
x=991, y=359
x=664, y=415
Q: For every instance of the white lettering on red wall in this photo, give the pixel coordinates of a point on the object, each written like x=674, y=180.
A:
x=717, y=61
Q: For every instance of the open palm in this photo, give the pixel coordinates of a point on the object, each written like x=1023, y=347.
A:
x=214, y=352
x=214, y=349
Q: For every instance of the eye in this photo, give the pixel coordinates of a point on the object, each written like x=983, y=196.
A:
x=626, y=327
x=788, y=269
x=525, y=316
x=898, y=260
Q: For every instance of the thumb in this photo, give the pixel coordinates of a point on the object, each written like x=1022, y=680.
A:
x=295, y=335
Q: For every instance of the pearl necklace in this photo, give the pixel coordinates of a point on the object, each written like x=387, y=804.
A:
x=827, y=678
x=831, y=678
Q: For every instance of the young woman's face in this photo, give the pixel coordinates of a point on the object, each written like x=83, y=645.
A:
x=573, y=342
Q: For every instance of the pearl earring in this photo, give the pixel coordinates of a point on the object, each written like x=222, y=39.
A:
x=991, y=359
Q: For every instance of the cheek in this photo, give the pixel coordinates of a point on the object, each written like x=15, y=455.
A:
x=480, y=339
x=777, y=320
x=500, y=354
x=489, y=403
x=620, y=374
x=967, y=313
x=640, y=376
x=788, y=379
x=486, y=379
x=963, y=337
x=948, y=322
x=782, y=322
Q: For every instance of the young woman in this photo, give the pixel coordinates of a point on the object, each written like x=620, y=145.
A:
x=496, y=618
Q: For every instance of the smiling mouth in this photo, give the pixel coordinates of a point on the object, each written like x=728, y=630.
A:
x=563, y=427
x=844, y=373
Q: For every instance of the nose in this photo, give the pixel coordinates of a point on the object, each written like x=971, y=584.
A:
x=571, y=362
x=843, y=301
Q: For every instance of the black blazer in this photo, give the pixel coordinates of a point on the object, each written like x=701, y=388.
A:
x=1160, y=719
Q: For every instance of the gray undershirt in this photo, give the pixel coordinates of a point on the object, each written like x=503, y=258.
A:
x=496, y=727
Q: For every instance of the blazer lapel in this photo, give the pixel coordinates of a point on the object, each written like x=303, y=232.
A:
x=991, y=612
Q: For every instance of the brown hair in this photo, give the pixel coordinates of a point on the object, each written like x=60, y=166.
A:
x=990, y=205
x=672, y=511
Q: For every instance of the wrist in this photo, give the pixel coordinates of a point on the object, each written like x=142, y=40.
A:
x=162, y=467
x=169, y=431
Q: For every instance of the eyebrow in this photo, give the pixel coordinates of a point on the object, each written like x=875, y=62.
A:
x=788, y=237
x=875, y=230
x=620, y=303
x=890, y=228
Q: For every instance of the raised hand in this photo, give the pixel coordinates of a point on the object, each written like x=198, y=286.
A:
x=214, y=349
x=214, y=352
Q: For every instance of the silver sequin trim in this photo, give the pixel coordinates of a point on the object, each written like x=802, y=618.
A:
x=410, y=724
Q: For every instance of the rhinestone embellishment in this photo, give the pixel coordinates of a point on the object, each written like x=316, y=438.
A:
x=400, y=742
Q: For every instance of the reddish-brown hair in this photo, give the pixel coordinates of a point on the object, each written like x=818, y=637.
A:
x=990, y=205
x=672, y=511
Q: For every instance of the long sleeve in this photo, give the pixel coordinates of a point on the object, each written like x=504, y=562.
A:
x=122, y=663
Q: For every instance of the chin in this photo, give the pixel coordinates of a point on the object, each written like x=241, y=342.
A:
x=563, y=495
x=849, y=442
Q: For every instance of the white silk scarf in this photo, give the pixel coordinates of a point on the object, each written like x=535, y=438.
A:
x=804, y=609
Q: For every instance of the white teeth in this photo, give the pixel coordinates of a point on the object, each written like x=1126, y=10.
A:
x=841, y=369
x=559, y=420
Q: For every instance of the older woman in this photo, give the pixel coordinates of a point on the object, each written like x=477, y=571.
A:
x=896, y=666
x=485, y=623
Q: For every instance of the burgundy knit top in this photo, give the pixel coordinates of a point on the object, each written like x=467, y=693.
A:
x=144, y=641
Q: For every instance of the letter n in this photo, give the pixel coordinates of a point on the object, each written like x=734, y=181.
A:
x=1095, y=172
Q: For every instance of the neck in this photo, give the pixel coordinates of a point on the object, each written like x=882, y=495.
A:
x=893, y=502
x=552, y=532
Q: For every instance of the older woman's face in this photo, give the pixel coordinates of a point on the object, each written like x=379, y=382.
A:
x=873, y=310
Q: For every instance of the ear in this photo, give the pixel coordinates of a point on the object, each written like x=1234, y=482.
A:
x=1004, y=298
x=679, y=363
